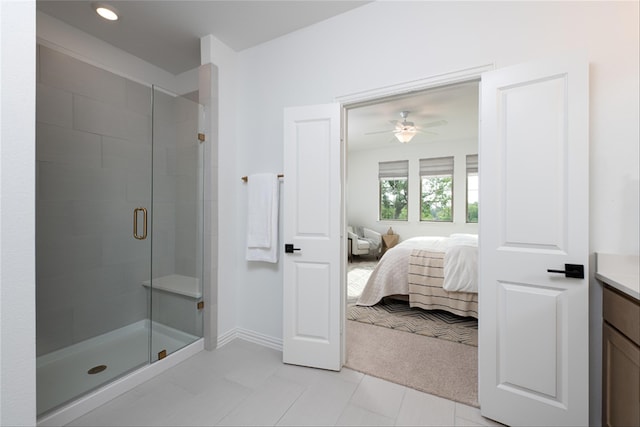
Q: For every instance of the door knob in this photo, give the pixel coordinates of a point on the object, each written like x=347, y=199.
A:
x=575, y=271
x=288, y=248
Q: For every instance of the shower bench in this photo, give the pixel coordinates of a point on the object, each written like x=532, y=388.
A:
x=176, y=302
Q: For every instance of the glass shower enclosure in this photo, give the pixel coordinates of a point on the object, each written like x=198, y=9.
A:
x=119, y=226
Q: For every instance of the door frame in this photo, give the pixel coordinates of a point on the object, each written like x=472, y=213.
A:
x=375, y=96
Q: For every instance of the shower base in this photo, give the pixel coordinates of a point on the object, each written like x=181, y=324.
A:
x=62, y=375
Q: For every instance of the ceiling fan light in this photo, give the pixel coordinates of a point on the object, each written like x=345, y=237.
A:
x=405, y=135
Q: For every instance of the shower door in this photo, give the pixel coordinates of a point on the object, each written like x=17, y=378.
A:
x=118, y=227
x=93, y=230
x=177, y=223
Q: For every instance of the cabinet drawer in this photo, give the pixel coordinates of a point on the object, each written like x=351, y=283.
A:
x=623, y=313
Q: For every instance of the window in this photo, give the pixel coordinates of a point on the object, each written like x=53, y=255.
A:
x=436, y=189
x=393, y=177
x=472, y=188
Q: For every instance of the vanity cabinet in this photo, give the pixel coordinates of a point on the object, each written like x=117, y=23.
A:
x=621, y=359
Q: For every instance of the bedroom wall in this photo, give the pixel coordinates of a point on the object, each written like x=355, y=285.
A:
x=358, y=51
x=362, y=188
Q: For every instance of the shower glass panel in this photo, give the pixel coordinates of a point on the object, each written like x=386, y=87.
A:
x=177, y=245
x=118, y=210
x=93, y=156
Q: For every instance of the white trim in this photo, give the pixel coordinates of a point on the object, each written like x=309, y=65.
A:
x=226, y=338
x=261, y=339
x=251, y=336
x=101, y=396
x=377, y=94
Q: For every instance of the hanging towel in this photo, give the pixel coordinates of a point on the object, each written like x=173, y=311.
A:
x=262, y=218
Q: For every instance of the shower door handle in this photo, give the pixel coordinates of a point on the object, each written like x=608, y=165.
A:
x=144, y=223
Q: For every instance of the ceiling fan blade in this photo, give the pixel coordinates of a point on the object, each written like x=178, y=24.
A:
x=433, y=124
x=379, y=131
x=426, y=132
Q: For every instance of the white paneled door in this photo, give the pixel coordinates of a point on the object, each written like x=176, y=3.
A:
x=534, y=186
x=312, y=205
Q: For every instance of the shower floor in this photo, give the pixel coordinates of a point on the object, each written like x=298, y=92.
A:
x=62, y=375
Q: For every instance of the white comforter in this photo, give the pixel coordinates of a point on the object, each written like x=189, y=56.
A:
x=390, y=275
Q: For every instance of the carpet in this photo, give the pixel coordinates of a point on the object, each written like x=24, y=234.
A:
x=435, y=366
x=399, y=316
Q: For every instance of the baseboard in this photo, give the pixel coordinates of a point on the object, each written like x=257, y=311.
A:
x=226, y=338
x=251, y=336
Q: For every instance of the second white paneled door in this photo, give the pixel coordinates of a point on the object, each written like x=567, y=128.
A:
x=534, y=204
x=312, y=199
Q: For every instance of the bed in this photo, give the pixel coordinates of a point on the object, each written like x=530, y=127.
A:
x=433, y=273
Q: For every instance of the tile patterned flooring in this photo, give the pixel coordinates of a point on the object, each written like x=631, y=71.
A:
x=243, y=384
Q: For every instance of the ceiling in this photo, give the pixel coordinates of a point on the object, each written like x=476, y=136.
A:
x=457, y=104
x=167, y=34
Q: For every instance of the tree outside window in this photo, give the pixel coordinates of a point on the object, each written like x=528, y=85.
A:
x=472, y=188
x=393, y=199
x=437, y=194
x=394, y=190
x=436, y=189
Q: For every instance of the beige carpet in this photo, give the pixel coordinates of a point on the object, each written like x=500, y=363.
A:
x=436, y=366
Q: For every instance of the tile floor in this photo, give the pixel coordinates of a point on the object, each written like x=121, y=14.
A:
x=246, y=384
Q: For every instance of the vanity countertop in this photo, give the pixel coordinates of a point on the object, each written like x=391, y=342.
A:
x=622, y=272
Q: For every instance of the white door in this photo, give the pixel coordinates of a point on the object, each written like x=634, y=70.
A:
x=534, y=217
x=312, y=206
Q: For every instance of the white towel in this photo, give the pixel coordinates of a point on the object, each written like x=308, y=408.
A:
x=262, y=218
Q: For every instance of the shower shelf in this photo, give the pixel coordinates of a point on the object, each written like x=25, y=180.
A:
x=177, y=284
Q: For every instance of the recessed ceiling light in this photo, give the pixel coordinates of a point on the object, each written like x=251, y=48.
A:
x=107, y=12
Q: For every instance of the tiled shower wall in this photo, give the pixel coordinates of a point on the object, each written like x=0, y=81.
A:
x=94, y=157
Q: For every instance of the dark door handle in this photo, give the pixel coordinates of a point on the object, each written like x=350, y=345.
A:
x=288, y=248
x=575, y=271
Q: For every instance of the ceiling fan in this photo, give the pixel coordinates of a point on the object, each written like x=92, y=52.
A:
x=404, y=130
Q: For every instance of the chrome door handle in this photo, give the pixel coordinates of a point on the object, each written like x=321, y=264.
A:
x=144, y=223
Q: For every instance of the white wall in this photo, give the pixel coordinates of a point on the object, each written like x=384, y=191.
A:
x=17, y=213
x=358, y=51
x=362, y=196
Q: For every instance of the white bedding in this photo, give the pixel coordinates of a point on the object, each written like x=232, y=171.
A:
x=390, y=275
x=461, y=263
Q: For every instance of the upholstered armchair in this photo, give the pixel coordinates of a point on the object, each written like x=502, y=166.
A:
x=364, y=241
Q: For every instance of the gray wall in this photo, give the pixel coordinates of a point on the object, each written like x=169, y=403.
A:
x=94, y=158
